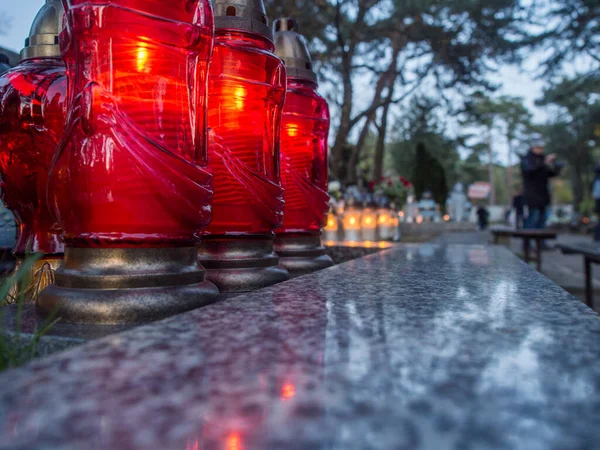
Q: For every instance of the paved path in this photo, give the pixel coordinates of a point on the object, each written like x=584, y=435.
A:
x=467, y=238
x=565, y=270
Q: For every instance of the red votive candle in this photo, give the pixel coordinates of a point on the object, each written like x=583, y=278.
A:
x=247, y=89
x=32, y=120
x=129, y=172
x=129, y=182
x=304, y=170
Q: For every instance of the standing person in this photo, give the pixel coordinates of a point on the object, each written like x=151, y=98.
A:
x=519, y=207
x=538, y=168
x=483, y=216
x=4, y=63
x=596, y=195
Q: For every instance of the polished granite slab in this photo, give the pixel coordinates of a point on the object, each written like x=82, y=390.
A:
x=21, y=324
x=417, y=347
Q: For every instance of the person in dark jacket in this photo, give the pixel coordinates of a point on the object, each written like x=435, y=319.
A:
x=483, y=215
x=538, y=168
x=4, y=63
x=596, y=195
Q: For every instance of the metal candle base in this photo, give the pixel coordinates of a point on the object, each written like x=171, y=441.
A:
x=241, y=265
x=302, y=255
x=126, y=285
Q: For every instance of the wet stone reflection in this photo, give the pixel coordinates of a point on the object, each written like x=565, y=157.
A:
x=407, y=348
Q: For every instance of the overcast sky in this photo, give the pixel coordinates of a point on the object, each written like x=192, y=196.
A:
x=21, y=14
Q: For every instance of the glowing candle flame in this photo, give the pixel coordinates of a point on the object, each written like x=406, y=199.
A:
x=288, y=391
x=234, y=441
x=239, y=95
x=292, y=129
x=142, y=58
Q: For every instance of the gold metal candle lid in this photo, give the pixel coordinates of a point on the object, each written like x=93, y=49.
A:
x=243, y=15
x=291, y=47
x=43, y=36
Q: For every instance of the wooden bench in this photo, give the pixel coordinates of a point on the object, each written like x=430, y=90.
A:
x=591, y=255
x=539, y=236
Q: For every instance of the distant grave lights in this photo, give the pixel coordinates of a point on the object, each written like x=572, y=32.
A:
x=369, y=224
x=352, y=222
x=332, y=228
x=386, y=225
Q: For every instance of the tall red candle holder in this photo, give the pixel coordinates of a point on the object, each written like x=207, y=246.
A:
x=304, y=171
x=32, y=120
x=128, y=181
x=247, y=89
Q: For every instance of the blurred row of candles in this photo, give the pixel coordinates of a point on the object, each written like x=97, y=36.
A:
x=355, y=224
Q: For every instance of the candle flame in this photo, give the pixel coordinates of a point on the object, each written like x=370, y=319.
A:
x=288, y=391
x=234, y=442
x=142, y=58
x=292, y=129
x=239, y=94
x=383, y=219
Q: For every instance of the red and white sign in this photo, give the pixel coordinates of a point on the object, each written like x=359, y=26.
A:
x=479, y=190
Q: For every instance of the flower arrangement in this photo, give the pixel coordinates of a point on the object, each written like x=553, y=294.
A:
x=395, y=188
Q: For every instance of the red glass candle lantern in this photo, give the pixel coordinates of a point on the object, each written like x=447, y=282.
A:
x=129, y=183
x=32, y=120
x=247, y=89
x=304, y=171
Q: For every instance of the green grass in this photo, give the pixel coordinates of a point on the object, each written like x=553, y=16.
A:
x=15, y=352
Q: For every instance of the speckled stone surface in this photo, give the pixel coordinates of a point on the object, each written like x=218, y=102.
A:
x=60, y=337
x=413, y=348
x=342, y=253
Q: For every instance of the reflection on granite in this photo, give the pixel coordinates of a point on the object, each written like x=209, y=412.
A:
x=415, y=347
x=60, y=337
x=344, y=252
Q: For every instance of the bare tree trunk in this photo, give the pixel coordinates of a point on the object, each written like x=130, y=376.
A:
x=348, y=41
x=387, y=78
x=341, y=139
x=491, y=170
x=380, y=148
